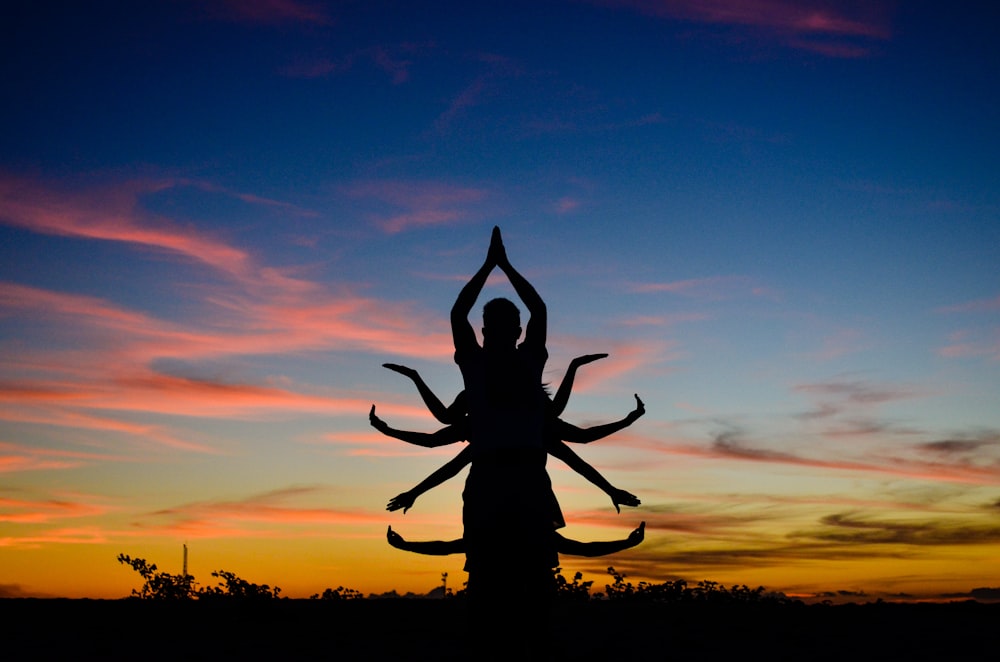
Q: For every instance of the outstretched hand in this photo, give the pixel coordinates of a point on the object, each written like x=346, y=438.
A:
x=638, y=535
x=622, y=498
x=401, y=369
x=639, y=410
x=397, y=541
x=404, y=501
x=586, y=358
x=377, y=422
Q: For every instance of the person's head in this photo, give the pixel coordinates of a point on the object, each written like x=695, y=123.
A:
x=501, y=323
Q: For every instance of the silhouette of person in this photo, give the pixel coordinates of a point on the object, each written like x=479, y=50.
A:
x=507, y=412
x=557, y=430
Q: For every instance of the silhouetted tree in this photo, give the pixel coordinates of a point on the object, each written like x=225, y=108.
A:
x=159, y=585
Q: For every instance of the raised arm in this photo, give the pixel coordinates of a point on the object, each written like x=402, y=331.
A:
x=449, y=470
x=619, y=497
x=443, y=437
x=461, y=330
x=432, y=547
x=577, y=548
x=537, y=327
x=446, y=415
x=566, y=386
x=571, y=433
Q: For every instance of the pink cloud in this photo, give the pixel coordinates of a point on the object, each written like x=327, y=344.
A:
x=841, y=343
x=566, y=205
x=467, y=98
x=424, y=204
x=260, y=516
x=715, y=288
x=664, y=320
x=47, y=413
x=21, y=511
x=977, y=306
x=25, y=457
x=964, y=344
x=624, y=358
x=110, y=215
x=803, y=24
x=788, y=16
x=261, y=325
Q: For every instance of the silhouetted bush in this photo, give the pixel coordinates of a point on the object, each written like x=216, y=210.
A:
x=576, y=591
x=232, y=587
x=164, y=586
x=678, y=591
x=339, y=593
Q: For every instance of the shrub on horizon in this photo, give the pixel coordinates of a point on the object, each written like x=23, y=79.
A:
x=165, y=586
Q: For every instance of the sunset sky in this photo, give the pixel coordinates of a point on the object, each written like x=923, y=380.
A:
x=781, y=219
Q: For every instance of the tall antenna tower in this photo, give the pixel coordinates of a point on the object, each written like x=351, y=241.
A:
x=185, y=560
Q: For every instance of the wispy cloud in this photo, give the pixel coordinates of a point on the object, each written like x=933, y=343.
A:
x=972, y=344
x=835, y=30
x=714, y=288
x=395, y=61
x=856, y=392
x=22, y=511
x=857, y=529
x=977, y=306
x=271, y=12
x=841, y=343
x=24, y=457
x=110, y=215
x=420, y=204
x=267, y=515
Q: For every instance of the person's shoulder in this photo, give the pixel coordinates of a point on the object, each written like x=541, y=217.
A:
x=469, y=353
x=535, y=350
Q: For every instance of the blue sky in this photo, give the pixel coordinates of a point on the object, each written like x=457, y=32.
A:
x=779, y=218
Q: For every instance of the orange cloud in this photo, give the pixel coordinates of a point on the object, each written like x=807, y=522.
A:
x=263, y=515
x=69, y=536
x=23, y=457
x=21, y=511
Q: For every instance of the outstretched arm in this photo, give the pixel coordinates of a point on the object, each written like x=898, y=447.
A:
x=536, y=329
x=461, y=330
x=444, y=436
x=619, y=497
x=577, y=548
x=566, y=386
x=449, y=470
x=432, y=547
x=577, y=435
x=446, y=415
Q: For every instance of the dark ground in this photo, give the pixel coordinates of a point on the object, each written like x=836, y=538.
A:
x=423, y=629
